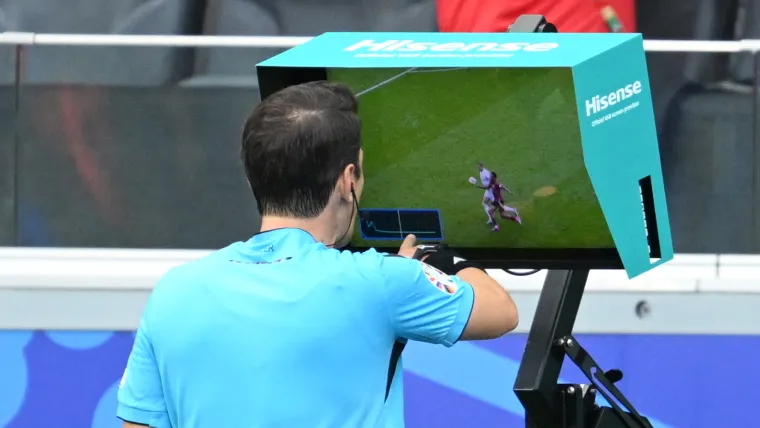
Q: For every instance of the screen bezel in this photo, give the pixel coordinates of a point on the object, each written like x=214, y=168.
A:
x=530, y=258
x=272, y=79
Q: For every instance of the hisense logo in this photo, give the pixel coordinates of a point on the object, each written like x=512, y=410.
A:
x=415, y=46
x=601, y=102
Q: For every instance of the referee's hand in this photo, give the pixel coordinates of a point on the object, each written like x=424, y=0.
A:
x=408, y=247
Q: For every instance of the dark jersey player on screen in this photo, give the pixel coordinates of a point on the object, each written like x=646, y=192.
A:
x=495, y=187
x=284, y=330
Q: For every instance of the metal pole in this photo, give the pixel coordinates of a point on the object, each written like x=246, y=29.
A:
x=755, y=156
x=536, y=382
x=14, y=38
x=18, y=71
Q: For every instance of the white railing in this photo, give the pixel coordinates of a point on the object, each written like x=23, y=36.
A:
x=16, y=38
x=136, y=269
x=106, y=289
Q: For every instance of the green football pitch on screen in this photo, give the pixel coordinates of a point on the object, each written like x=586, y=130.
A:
x=429, y=135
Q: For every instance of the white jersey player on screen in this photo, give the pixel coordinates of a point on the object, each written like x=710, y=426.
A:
x=488, y=197
x=485, y=181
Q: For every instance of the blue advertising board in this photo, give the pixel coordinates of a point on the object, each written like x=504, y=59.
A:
x=70, y=379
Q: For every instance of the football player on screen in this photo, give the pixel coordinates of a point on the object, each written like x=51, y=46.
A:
x=485, y=181
x=496, y=199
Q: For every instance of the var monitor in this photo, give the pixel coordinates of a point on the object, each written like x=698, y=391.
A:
x=486, y=160
x=530, y=150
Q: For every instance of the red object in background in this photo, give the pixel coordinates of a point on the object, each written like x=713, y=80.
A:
x=494, y=16
x=625, y=10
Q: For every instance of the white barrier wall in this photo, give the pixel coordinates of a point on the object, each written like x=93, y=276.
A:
x=106, y=289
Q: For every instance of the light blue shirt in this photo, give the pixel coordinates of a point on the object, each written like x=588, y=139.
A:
x=281, y=331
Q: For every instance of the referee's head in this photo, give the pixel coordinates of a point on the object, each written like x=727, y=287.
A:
x=301, y=149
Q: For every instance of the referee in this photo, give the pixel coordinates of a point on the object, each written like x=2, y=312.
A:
x=285, y=330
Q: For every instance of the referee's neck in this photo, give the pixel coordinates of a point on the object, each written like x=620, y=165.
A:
x=321, y=229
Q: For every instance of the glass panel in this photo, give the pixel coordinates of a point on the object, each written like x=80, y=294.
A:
x=142, y=163
x=708, y=160
x=7, y=144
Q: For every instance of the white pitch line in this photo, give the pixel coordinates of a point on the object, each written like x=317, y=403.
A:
x=384, y=82
x=438, y=70
x=409, y=71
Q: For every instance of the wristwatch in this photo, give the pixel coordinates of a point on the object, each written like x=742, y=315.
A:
x=443, y=258
x=426, y=249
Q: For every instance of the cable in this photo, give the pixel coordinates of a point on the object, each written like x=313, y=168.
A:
x=530, y=272
x=354, y=210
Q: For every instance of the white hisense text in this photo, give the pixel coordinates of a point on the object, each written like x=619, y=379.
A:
x=415, y=46
x=601, y=102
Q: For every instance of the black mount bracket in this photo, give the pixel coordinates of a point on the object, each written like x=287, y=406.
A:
x=532, y=24
x=552, y=405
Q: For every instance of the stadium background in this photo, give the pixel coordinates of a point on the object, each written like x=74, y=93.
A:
x=125, y=147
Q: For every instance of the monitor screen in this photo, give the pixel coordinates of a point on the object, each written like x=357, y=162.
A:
x=480, y=158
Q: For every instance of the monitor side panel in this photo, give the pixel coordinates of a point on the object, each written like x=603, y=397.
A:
x=621, y=153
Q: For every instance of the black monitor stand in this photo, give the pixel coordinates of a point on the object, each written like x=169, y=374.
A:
x=552, y=405
x=547, y=403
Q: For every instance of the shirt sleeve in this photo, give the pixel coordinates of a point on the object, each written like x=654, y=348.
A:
x=425, y=304
x=141, y=398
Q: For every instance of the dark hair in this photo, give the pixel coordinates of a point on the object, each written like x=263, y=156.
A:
x=297, y=143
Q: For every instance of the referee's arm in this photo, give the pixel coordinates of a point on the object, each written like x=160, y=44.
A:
x=141, y=399
x=442, y=309
x=494, y=313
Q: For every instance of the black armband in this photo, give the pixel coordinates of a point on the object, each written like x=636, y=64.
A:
x=422, y=251
x=446, y=260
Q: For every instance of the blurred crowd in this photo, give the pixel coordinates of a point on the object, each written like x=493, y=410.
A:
x=570, y=16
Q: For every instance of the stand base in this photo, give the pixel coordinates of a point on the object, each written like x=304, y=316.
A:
x=607, y=418
x=552, y=405
x=579, y=409
x=576, y=408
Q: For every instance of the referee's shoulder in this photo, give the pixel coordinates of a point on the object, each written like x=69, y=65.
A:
x=194, y=271
x=372, y=261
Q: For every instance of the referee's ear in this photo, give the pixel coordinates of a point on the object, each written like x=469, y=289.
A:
x=346, y=187
x=346, y=183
